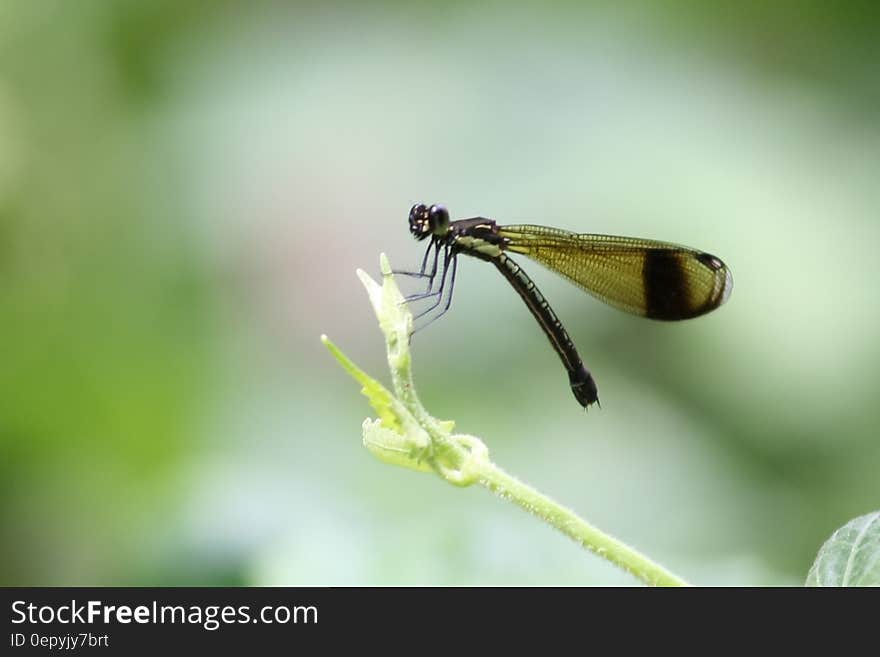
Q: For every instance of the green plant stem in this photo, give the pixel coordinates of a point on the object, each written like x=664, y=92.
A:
x=406, y=435
x=512, y=489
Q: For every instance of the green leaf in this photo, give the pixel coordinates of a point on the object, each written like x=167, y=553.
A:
x=380, y=399
x=851, y=557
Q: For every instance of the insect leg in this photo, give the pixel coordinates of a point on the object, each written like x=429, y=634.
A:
x=448, y=257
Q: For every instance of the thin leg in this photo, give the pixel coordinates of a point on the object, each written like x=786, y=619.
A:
x=448, y=297
x=420, y=296
x=421, y=273
x=434, y=266
x=447, y=258
x=427, y=294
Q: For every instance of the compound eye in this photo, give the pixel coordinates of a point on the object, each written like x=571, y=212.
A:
x=417, y=211
x=419, y=221
x=439, y=217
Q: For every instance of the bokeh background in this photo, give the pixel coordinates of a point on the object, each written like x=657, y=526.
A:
x=186, y=190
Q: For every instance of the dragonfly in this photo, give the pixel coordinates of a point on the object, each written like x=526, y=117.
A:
x=649, y=278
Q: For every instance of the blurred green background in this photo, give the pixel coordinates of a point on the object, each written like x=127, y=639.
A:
x=186, y=190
